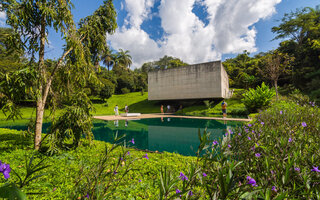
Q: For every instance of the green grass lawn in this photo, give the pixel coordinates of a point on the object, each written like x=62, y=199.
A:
x=140, y=104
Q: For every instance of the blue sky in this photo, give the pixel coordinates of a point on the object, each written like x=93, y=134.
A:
x=192, y=30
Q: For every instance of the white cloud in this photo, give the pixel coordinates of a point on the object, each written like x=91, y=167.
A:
x=3, y=17
x=230, y=29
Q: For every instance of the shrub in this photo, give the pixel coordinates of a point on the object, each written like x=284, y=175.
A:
x=258, y=98
x=107, y=90
x=125, y=90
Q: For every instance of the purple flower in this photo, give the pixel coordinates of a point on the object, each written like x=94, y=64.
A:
x=5, y=170
x=274, y=188
x=204, y=174
x=249, y=138
x=229, y=145
x=252, y=131
x=249, y=125
x=303, y=124
x=290, y=140
x=315, y=169
x=128, y=153
x=178, y=191
x=239, y=134
x=251, y=181
x=297, y=169
x=262, y=123
x=226, y=134
x=139, y=180
x=230, y=131
x=258, y=155
x=115, y=172
x=246, y=130
x=272, y=172
x=280, y=112
x=215, y=143
x=190, y=193
x=132, y=140
x=146, y=156
x=183, y=177
x=87, y=196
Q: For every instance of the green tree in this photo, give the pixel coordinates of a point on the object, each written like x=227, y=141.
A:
x=32, y=18
x=108, y=58
x=124, y=59
x=301, y=32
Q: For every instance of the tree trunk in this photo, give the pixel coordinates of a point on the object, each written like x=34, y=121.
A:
x=41, y=81
x=276, y=88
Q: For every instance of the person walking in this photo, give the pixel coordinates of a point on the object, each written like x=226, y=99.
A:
x=116, y=110
x=224, y=109
x=168, y=108
x=126, y=108
x=161, y=109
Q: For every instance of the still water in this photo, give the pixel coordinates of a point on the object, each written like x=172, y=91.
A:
x=178, y=135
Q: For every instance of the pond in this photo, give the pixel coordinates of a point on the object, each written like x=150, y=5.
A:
x=178, y=135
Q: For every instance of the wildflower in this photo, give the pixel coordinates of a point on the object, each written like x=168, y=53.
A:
x=258, y=155
x=239, y=134
x=272, y=172
x=139, y=180
x=252, y=131
x=274, y=188
x=132, y=141
x=178, y=191
x=249, y=138
x=146, y=156
x=230, y=131
x=183, y=177
x=226, y=134
x=290, y=140
x=249, y=125
x=280, y=112
x=297, y=169
x=115, y=172
x=251, y=181
x=5, y=169
x=87, y=196
x=215, y=143
x=315, y=169
x=303, y=124
x=262, y=123
x=204, y=174
x=190, y=193
x=229, y=145
x=128, y=153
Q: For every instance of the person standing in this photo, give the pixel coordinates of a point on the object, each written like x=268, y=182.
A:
x=161, y=109
x=116, y=110
x=168, y=108
x=126, y=108
x=224, y=109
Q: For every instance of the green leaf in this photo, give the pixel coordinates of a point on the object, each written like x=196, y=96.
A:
x=11, y=191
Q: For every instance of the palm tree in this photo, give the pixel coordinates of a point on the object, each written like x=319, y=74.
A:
x=108, y=58
x=124, y=58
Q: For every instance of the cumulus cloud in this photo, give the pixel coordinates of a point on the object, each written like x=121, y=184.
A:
x=230, y=29
x=2, y=18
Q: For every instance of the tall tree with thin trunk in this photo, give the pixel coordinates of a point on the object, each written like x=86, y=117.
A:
x=276, y=64
x=124, y=58
x=31, y=20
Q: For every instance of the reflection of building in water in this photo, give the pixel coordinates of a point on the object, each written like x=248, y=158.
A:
x=116, y=123
x=126, y=123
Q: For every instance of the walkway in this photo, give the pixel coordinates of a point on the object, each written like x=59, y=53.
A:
x=159, y=115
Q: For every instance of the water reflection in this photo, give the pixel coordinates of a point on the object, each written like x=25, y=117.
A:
x=158, y=134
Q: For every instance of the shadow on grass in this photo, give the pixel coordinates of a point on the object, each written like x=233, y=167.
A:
x=145, y=106
x=10, y=141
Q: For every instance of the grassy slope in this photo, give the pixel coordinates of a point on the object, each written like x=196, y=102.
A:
x=139, y=103
x=63, y=170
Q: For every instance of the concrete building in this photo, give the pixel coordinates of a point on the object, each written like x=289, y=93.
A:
x=199, y=81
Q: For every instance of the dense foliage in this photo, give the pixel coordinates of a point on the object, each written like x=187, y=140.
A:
x=258, y=98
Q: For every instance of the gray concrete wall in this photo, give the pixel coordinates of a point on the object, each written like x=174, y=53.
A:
x=199, y=81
